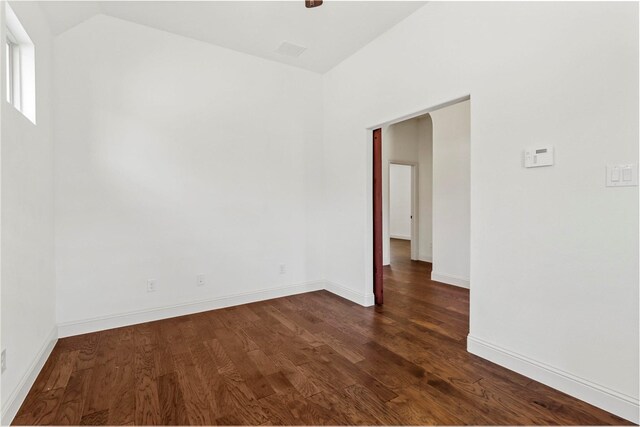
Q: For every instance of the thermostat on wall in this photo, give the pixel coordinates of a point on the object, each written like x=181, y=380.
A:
x=540, y=156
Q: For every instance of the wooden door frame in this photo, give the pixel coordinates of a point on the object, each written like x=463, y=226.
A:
x=369, y=219
x=377, y=215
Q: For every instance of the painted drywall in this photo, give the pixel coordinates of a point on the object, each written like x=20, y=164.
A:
x=27, y=250
x=425, y=188
x=451, y=192
x=175, y=158
x=554, y=253
x=409, y=141
x=400, y=202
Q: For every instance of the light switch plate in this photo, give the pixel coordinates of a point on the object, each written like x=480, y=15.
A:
x=622, y=175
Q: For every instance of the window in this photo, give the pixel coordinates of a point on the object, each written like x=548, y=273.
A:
x=13, y=71
x=20, y=75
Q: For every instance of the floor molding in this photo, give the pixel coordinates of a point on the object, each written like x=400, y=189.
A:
x=72, y=328
x=425, y=258
x=617, y=403
x=450, y=279
x=359, y=298
x=10, y=409
x=597, y=395
x=67, y=329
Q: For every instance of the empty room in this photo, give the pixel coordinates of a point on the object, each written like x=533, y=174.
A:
x=317, y=212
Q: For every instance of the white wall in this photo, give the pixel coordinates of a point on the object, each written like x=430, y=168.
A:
x=425, y=188
x=208, y=175
x=176, y=158
x=400, y=201
x=451, y=198
x=409, y=141
x=554, y=253
x=28, y=288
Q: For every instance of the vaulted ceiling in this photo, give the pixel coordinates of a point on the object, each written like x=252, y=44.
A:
x=329, y=33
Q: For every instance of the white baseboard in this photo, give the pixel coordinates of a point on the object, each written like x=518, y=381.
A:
x=398, y=236
x=11, y=407
x=425, y=258
x=617, y=403
x=612, y=401
x=450, y=279
x=67, y=329
x=362, y=299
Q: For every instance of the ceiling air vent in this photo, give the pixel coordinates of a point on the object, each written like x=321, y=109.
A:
x=290, y=49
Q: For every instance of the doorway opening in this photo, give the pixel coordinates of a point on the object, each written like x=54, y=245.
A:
x=402, y=212
x=421, y=209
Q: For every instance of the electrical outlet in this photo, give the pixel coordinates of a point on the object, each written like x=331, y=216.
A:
x=283, y=268
x=200, y=280
x=3, y=360
x=151, y=285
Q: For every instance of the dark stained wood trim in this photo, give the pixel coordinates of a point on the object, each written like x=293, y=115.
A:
x=377, y=217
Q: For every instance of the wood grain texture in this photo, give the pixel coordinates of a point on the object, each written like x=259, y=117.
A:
x=378, y=271
x=309, y=359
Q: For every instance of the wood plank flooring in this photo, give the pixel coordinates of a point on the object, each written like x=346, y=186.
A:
x=305, y=360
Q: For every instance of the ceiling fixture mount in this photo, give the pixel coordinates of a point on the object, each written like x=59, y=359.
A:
x=312, y=3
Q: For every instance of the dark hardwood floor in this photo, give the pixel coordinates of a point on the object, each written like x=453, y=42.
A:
x=306, y=359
